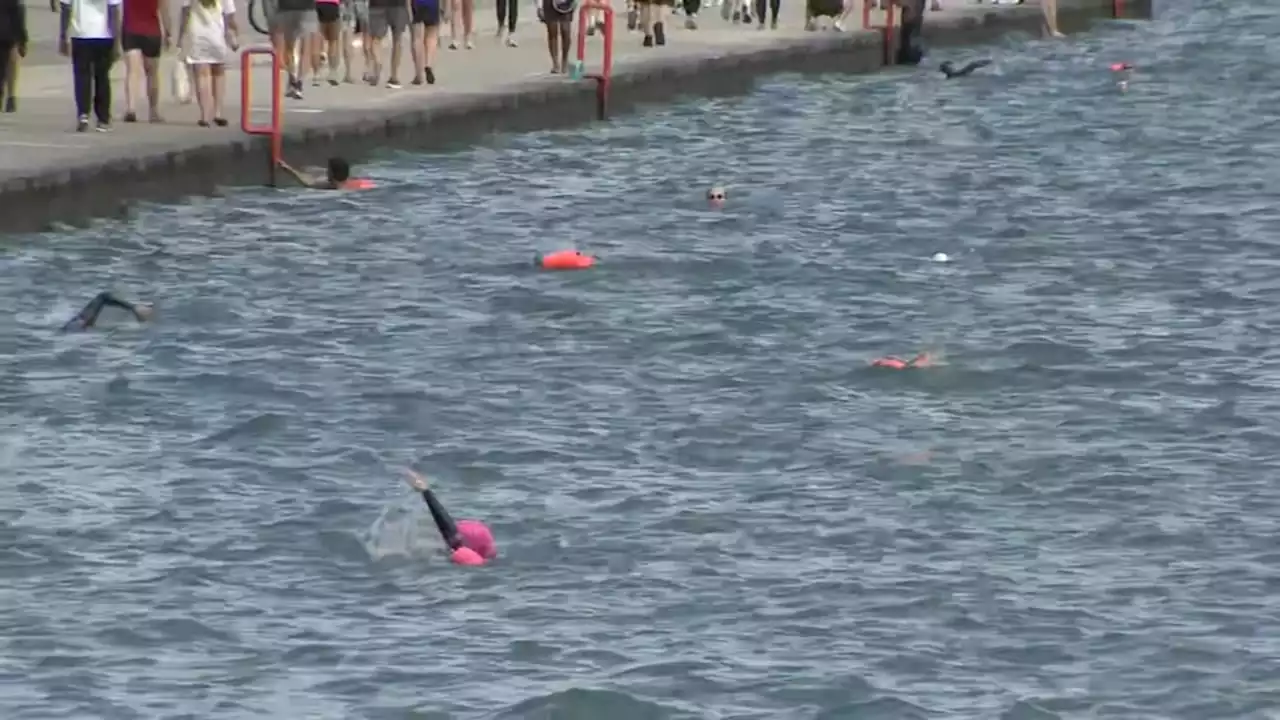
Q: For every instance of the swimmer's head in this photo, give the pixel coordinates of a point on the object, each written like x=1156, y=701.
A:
x=1121, y=67
x=716, y=196
x=339, y=170
x=476, y=536
x=144, y=311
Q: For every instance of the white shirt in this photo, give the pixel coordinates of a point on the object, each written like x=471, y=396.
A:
x=228, y=6
x=89, y=18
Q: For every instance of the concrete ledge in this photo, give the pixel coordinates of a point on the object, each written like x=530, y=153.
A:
x=104, y=182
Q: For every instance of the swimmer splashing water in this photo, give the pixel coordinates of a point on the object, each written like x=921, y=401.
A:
x=892, y=362
x=469, y=541
x=88, y=317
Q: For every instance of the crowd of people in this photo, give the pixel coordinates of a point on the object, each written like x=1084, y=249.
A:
x=321, y=41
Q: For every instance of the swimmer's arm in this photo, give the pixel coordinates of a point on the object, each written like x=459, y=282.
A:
x=444, y=522
x=303, y=179
x=976, y=64
x=87, y=317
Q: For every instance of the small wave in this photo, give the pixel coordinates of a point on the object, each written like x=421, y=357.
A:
x=590, y=704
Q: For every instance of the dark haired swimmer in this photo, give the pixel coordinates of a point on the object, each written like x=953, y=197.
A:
x=337, y=176
x=891, y=362
x=950, y=70
x=469, y=541
x=87, y=317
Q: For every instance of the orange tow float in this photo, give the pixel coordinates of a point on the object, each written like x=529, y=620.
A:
x=565, y=260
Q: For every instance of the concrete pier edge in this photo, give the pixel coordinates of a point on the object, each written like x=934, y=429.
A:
x=94, y=188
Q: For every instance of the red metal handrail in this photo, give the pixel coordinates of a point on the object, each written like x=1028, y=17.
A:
x=272, y=130
x=606, y=67
x=889, y=40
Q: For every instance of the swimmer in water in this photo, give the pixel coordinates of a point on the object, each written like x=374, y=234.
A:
x=337, y=176
x=87, y=317
x=469, y=541
x=716, y=196
x=891, y=362
x=952, y=73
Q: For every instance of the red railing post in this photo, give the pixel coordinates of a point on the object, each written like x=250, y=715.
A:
x=1117, y=9
x=866, y=13
x=606, y=68
x=273, y=130
x=889, y=40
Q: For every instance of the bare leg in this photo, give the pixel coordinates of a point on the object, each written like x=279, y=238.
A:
x=431, y=46
x=1050, y=9
x=333, y=36
x=468, y=21
x=132, y=71
x=455, y=19
x=566, y=29
x=417, y=50
x=204, y=93
x=151, y=66
x=219, y=76
x=347, y=55
x=553, y=45
x=10, y=81
x=397, y=55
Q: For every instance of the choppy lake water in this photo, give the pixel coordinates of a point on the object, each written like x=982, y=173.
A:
x=708, y=506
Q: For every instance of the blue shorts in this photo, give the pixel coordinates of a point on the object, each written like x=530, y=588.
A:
x=426, y=13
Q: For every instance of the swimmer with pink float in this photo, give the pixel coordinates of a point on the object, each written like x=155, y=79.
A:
x=470, y=542
x=893, y=362
x=1123, y=71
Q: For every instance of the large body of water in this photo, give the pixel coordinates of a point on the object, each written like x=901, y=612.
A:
x=708, y=506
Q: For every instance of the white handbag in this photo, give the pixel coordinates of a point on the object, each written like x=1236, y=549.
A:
x=179, y=80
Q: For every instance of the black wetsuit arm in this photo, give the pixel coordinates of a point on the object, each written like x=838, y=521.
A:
x=444, y=523
x=968, y=69
x=89, y=315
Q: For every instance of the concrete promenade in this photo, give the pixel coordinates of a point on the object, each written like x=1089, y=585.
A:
x=50, y=173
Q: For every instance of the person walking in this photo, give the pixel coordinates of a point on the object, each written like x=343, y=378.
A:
x=146, y=35
x=507, y=12
x=208, y=35
x=329, y=16
x=387, y=16
x=463, y=12
x=88, y=33
x=13, y=45
x=425, y=38
x=291, y=24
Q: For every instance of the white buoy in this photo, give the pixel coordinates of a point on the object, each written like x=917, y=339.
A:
x=940, y=257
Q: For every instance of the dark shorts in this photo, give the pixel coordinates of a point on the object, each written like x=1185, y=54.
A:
x=382, y=19
x=146, y=44
x=558, y=11
x=825, y=8
x=328, y=13
x=426, y=13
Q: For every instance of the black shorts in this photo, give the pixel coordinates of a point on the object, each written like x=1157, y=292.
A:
x=328, y=13
x=146, y=44
x=426, y=13
x=558, y=11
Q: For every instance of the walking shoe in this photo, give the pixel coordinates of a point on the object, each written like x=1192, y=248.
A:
x=659, y=34
x=82, y=123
